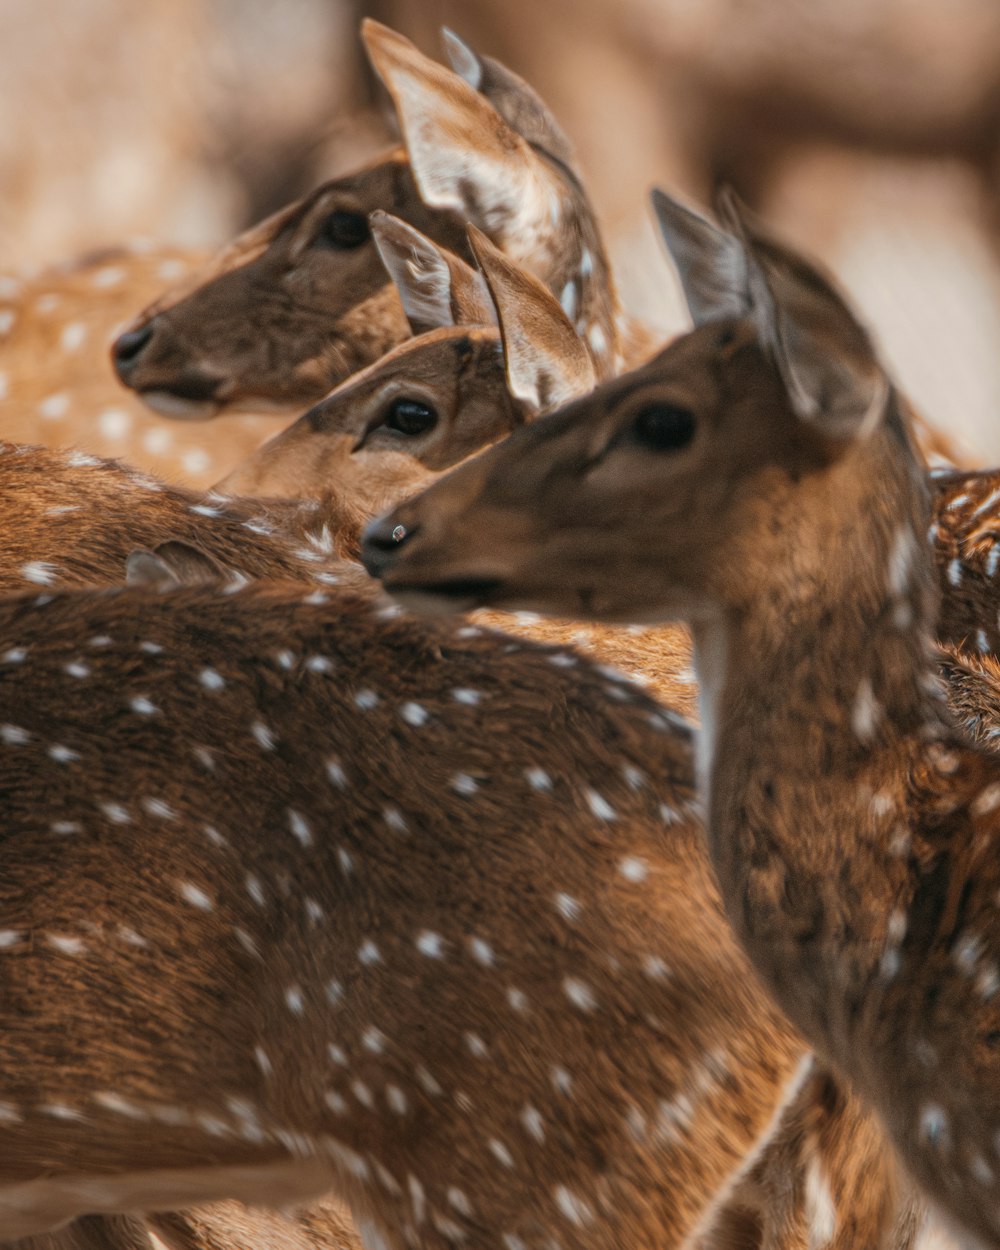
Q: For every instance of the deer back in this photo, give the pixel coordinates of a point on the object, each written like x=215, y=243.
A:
x=298, y=971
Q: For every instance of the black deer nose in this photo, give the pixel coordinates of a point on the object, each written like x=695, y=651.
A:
x=128, y=347
x=381, y=543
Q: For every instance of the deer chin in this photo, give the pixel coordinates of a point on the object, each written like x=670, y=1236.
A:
x=179, y=408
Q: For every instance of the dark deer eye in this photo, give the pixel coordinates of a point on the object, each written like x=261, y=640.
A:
x=410, y=417
x=343, y=230
x=663, y=427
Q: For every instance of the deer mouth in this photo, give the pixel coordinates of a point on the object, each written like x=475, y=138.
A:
x=180, y=407
x=451, y=594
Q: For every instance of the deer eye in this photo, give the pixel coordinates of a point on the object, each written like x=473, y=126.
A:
x=663, y=427
x=343, y=230
x=410, y=417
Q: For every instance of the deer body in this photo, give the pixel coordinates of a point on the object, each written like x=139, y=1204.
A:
x=758, y=480
x=284, y=842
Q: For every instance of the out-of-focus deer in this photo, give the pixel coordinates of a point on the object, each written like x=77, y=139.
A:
x=57, y=385
x=485, y=151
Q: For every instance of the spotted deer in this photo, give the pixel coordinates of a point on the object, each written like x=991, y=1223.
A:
x=822, y=1139
x=56, y=382
x=757, y=479
x=759, y=1214
x=244, y=963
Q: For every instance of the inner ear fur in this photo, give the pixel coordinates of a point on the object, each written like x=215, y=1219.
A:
x=173, y=563
x=517, y=102
x=465, y=157
x=546, y=361
x=828, y=364
x=437, y=287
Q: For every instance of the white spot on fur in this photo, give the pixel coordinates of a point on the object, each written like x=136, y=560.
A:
x=299, y=827
x=414, y=714
x=73, y=336
x=40, y=572
x=54, y=407
x=579, y=993
x=820, y=1207
x=538, y=779
x=600, y=807
x=114, y=423
x=934, y=1127
x=633, y=869
x=194, y=895
x=430, y=944
x=572, y=1206
x=865, y=712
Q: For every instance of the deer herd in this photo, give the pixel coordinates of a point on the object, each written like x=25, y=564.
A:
x=332, y=919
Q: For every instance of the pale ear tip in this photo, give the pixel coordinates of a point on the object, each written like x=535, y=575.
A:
x=371, y=29
x=377, y=37
x=461, y=57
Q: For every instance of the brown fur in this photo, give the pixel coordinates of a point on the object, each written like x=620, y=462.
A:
x=72, y=520
x=966, y=534
x=852, y=826
x=251, y=759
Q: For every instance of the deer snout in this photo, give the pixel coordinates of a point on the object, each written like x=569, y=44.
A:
x=155, y=361
x=381, y=544
x=127, y=349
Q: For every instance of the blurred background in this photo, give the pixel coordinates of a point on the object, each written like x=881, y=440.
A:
x=866, y=131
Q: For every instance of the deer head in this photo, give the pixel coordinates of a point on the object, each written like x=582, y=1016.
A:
x=690, y=456
x=301, y=301
x=438, y=398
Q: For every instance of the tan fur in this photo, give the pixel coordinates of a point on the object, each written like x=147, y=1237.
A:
x=57, y=384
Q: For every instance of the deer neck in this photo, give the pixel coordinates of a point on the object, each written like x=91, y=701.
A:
x=818, y=697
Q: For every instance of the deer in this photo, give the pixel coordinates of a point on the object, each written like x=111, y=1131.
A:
x=290, y=973
x=788, y=509
x=822, y=1134
x=321, y=303
x=56, y=380
x=310, y=281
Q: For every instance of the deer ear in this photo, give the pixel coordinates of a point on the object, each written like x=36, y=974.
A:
x=518, y=103
x=710, y=262
x=172, y=563
x=547, y=363
x=465, y=157
x=437, y=288
x=826, y=359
